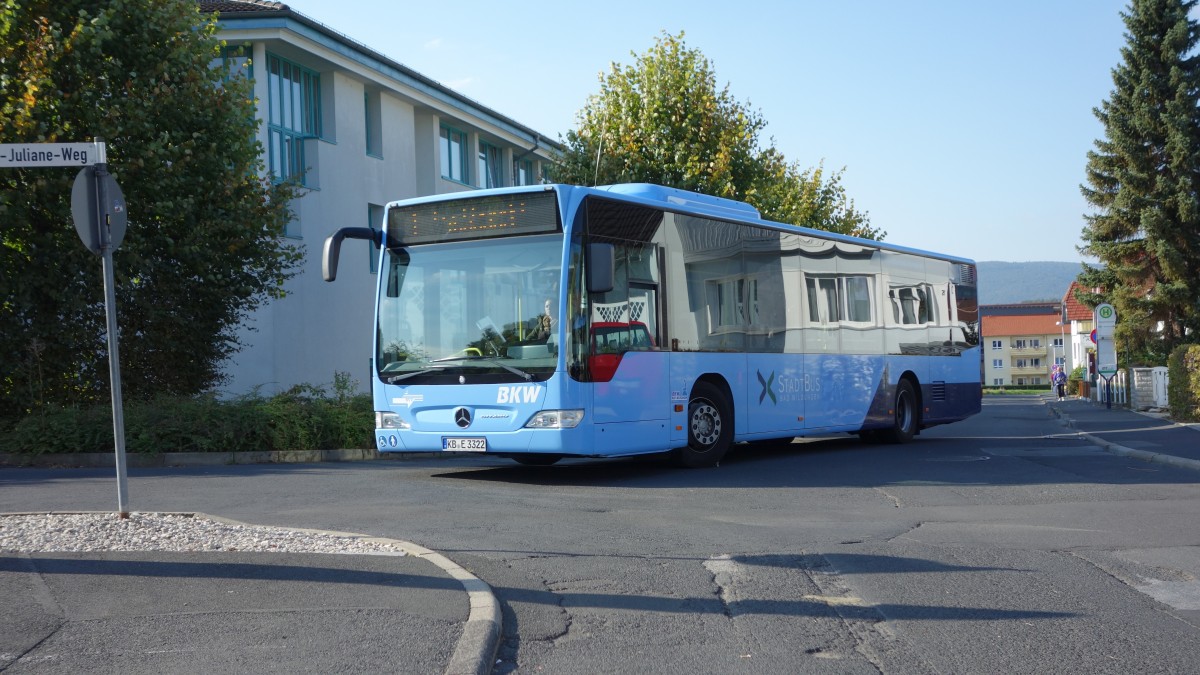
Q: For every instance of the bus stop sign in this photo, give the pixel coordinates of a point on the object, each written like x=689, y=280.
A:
x=83, y=209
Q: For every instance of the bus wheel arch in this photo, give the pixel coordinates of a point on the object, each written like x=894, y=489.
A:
x=905, y=411
x=709, y=424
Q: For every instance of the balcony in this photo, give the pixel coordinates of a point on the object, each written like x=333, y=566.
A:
x=1030, y=351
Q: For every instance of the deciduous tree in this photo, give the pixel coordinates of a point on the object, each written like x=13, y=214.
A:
x=663, y=120
x=203, y=245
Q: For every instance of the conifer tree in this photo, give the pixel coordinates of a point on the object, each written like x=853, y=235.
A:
x=1142, y=179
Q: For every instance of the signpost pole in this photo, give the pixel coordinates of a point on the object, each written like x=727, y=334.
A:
x=98, y=206
x=1105, y=319
x=110, y=311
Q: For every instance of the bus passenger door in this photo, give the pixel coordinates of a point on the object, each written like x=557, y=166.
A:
x=632, y=409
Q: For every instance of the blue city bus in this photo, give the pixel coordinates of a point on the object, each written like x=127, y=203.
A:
x=555, y=321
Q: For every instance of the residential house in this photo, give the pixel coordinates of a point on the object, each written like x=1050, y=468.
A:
x=358, y=130
x=1079, y=319
x=1021, y=343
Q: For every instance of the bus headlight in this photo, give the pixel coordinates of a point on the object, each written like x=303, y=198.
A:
x=390, y=420
x=555, y=419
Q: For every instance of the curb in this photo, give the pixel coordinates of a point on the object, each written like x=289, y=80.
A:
x=165, y=459
x=1117, y=449
x=476, y=649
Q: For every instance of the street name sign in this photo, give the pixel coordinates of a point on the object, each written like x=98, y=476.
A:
x=16, y=155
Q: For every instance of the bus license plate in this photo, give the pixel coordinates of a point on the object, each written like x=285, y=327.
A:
x=464, y=444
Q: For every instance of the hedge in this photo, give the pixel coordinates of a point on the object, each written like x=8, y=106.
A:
x=1183, y=392
x=302, y=418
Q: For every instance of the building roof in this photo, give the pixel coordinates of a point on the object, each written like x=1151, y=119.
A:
x=236, y=13
x=208, y=6
x=1030, y=324
x=1073, y=309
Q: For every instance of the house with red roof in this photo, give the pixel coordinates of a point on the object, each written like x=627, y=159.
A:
x=1022, y=343
x=1078, y=318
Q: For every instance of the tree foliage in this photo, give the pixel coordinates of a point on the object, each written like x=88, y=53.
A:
x=203, y=245
x=663, y=120
x=1142, y=179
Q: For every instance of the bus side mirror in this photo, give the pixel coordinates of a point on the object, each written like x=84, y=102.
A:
x=333, y=247
x=601, y=268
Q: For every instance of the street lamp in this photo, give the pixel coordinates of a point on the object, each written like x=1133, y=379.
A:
x=1062, y=338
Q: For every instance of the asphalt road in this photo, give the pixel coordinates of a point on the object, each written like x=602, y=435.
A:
x=998, y=545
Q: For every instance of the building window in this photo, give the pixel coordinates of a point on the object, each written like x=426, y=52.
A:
x=489, y=166
x=238, y=59
x=1058, y=342
x=998, y=363
x=1035, y=343
x=523, y=172
x=997, y=344
x=1060, y=360
x=998, y=381
x=1019, y=344
x=375, y=222
x=294, y=115
x=373, y=113
x=454, y=155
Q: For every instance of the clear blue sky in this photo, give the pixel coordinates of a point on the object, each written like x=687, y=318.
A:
x=963, y=126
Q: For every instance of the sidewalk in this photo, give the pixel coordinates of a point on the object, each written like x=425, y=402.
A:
x=156, y=612
x=1122, y=431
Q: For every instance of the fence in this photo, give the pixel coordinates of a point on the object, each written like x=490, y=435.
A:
x=1119, y=389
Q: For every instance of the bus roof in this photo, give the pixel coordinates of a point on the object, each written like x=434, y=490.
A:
x=689, y=203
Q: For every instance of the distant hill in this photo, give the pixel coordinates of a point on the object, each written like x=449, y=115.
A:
x=1006, y=282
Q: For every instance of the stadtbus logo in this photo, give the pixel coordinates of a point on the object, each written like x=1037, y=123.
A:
x=766, y=387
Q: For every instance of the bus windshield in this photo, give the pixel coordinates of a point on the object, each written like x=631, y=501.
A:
x=480, y=308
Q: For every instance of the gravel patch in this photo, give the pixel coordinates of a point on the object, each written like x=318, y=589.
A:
x=46, y=533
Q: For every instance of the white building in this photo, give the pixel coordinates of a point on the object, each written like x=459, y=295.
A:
x=358, y=130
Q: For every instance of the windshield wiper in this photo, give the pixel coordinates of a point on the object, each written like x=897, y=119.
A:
x=494, y=362
x=404, y=376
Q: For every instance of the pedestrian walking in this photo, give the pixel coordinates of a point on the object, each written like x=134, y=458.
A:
x=1059, y=379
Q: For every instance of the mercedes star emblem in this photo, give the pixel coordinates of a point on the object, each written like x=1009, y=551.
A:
x=462, y=417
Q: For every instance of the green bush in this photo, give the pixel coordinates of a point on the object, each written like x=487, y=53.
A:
x=1183, y=392
x=303, y=418
x=1073, y=381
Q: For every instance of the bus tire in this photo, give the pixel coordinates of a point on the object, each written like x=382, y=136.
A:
x=536, y=459
x=905, y=415
x=710, y=427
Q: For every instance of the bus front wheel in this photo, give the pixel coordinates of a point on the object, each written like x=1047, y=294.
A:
x=905, y=415
x=710, y=427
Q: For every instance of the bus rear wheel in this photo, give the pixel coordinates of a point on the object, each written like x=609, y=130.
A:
x=710, y=427
x=905, y=415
